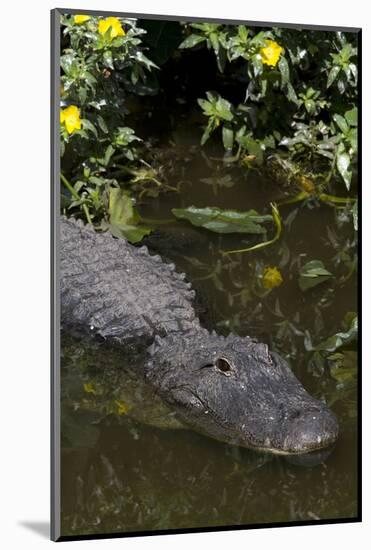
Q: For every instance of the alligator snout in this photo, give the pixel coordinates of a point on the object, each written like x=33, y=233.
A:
x=296, y=431
x=309, y=430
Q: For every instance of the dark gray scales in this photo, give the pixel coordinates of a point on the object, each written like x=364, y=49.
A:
x=115, y=290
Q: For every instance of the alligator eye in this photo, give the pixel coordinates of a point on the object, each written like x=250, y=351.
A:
x=223, y=365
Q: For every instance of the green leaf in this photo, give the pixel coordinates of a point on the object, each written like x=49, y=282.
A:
x=291, y=94
x=107, y=59
x=253, y=147
x=145, y=61
x=125, y=135
x=341, y=122
x=123, y=221
x=342, y=163
x=192, y=41
x=223, y=221
x=340, y=339
x=223, y=109
x=310, y=106
x=227, y=134
x=108, y=154
x=102, y=124
x=82, y=95
x=284, y=70
x=313, y=273
x=352, y=137
x=277, y=222
x=332, y=75
x=351, y=116
x=69, y=64
x=87, y=125
x=213, y=37
x=211, y=125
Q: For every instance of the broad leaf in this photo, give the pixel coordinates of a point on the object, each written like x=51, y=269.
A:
x=123, y=217
x=351, y=116
x=223, y=221
x=341, y=122
x=313, y=273
x=284, y=70
x=332, y=75
x=192, y=41
x=342, y=163
x=227, y=135
x=340, y=339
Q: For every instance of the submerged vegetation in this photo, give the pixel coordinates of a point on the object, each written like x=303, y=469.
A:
x=276, y=104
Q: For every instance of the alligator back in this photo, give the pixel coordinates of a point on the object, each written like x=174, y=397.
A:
x=117, y=291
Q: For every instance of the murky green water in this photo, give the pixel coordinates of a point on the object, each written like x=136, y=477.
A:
x=120, y=474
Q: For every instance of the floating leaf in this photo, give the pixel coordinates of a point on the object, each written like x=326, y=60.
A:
x=313, y=273
x=223, y=221
x=278, y=222
x=123, y=217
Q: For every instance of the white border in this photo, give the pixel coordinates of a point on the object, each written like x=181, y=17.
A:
x=24, y=271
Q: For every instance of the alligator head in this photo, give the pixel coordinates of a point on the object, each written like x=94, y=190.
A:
x=235, y=390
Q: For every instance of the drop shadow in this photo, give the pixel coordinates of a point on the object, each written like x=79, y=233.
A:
x=42, y=528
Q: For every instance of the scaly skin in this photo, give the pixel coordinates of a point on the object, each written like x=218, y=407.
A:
x=232, y=389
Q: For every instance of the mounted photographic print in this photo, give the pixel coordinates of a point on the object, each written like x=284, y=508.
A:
x=205, y=189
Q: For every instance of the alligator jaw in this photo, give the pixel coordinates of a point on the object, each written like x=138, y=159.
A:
x=312, y=430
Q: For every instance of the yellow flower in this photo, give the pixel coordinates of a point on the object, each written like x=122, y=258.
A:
x=122, y=408
x=271, y=52
x=272, y=277
x=89, y=388
x=114, y=24
x=70, y=117
x=79, y=19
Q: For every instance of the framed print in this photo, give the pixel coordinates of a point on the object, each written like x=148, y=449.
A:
x=205, y=199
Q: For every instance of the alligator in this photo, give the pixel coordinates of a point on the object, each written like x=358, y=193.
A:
x=231, y=388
